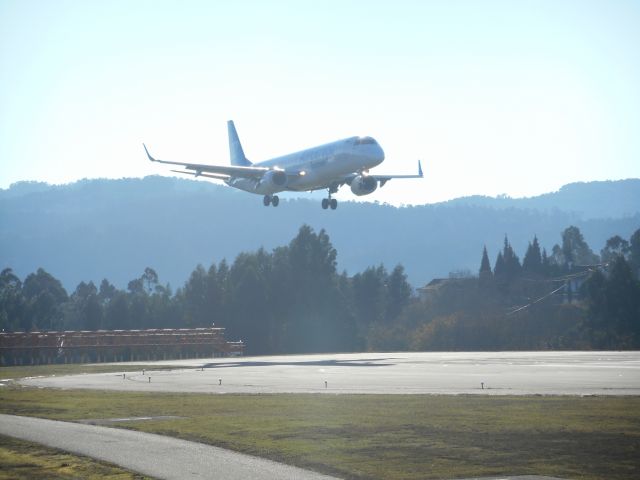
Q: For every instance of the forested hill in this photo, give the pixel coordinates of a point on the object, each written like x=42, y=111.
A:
x=94, y=229
x=610, y=199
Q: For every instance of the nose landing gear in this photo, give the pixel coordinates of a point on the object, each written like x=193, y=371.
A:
x=271, y=200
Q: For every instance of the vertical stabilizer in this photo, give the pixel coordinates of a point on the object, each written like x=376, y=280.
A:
x=235, y=148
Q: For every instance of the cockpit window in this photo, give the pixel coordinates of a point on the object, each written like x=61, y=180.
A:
x=365, y=141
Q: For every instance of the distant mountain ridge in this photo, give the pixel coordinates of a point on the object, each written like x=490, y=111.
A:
x=604, y=199
x=113, y=229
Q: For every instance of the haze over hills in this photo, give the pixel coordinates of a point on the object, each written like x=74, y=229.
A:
x=113, y=229
x=606, y=199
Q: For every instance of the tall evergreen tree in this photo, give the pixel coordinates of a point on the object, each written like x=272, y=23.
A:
x=545, y=262
x=214, y=295
x=485, y=266
x=314, y=258
x=600, y=331
x=634, y=253
x=512, y=265
x=614, y=307
x=116, y=314
x=194, y=295
x=499, y=270
x=623, y=301
x=92, y=315
x=369, y=294
x=249, y=313
x=398, y=293
x=315, y=319
x=532, y=262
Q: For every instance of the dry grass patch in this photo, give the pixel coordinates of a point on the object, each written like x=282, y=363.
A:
x=21, y=460
x=13, y=373
x=381, y=436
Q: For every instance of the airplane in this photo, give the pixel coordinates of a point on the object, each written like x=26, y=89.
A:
x=326, y=167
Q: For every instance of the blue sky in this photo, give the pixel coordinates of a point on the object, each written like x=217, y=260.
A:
x=494, y=97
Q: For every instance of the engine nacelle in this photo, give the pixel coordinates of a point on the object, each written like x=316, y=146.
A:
x=363, y=185
x=271, y=182
x=277, y=178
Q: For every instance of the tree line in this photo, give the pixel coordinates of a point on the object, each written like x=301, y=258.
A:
x=293, y=300
x=571, y=298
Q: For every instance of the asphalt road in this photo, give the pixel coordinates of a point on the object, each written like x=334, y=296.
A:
x=483, y=373
x=154, y=455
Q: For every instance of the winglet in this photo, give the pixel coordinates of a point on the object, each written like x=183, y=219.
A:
x=148, y=154
x=420, y=169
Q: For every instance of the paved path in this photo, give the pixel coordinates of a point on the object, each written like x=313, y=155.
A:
x=154, y=455
x=482, y=373
x=159, y=456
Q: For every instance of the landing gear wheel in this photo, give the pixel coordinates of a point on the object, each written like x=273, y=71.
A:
x=275, y=200
x=330, y=202
x=266, y=201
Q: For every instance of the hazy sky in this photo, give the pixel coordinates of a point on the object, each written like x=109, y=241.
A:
x=515, y=97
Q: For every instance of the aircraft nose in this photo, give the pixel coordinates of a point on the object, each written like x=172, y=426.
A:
x=379, y=154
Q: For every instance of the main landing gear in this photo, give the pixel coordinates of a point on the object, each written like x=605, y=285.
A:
x=330, y=202
x=271, y=200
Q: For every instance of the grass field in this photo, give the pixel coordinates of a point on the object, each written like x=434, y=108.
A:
x=28, y=461
x=7, y=373
x=380, y=436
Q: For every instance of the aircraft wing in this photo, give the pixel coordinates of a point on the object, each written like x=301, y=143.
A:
x=382, y=179
x=208, y=175
x=215, y=171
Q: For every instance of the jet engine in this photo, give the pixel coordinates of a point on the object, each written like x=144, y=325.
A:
x=271, y=182
x=276, y=178
x=363, y=185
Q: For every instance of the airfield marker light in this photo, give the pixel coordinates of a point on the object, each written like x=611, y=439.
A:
x=149, y=379
x=482, y=385
x=219, y=381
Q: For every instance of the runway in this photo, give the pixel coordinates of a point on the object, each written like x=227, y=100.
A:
x=448, y=373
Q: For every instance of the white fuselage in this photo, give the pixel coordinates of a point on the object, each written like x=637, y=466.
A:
x=323, y=166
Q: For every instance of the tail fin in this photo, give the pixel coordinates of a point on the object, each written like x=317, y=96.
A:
x=235, y=148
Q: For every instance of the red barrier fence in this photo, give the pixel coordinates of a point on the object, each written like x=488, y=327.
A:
x=20, y=348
